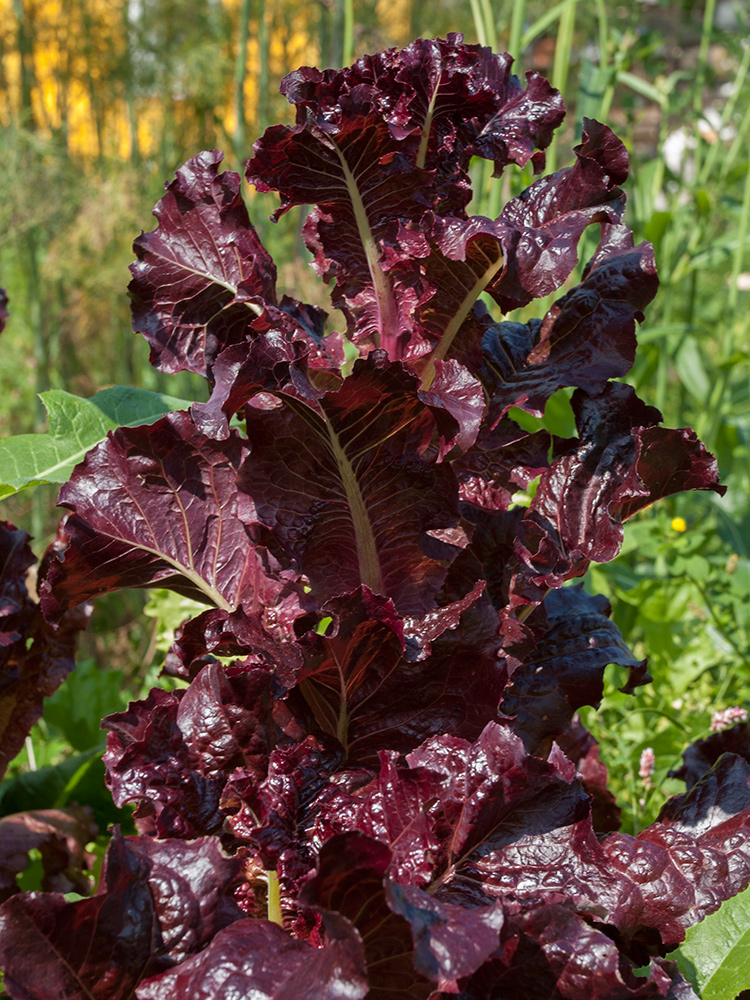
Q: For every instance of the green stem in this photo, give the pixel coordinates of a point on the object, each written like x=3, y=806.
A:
x=476, y=13
x=274, y=899
x=708, y=20
x=380, y=281
x=348, y=46
x=561, y=66
x=240, y=72
x=516, y=29
x=367, y=550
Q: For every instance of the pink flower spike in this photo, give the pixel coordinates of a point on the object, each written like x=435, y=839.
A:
x=646, y=768
x=726, y=717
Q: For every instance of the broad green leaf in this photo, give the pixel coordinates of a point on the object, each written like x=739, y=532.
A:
x=75, y=426
x=78, y=705
x=715, y=955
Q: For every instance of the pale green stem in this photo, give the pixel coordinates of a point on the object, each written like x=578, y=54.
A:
x=380, y=282
x=708, y=20
x=516, y=28
x=424, y=142
x=446, y=340
x=479, y=27
x=274, y=899
x=367, y=551
x=348, y=46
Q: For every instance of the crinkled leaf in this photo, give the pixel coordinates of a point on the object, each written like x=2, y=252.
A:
x=345, y=490
x=75, y=426
x=456, y=260
x=363, y=136
x=703, y=754
x=566, y=669
x=585, y=339
x=32, y=675
x=203, y=279
x=233, y=633
x=258, y=959
x=503, y=461
x=620, y=464
x=280, y=814
x=152, y=505
x=547, y=219
x=172, y=752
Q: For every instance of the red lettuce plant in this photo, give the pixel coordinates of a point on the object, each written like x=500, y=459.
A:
x=373, y=782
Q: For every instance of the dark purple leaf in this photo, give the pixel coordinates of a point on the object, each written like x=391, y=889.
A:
x=173, y=752
x=351, y=881
x=60, y=835
x=582, y=749
x=548, y=218
x=97, y=948
x=453, y=260
x=620, y=464
x=450, y=941
x=258, y=959
x=3, y=309
x=203, y=280
x=360, y=178
x=148, y=763
x=345, y=489
x=369, y=692
x=566, y=670
x=270, y=363
x=16, y=558
x=192, y=887
x=386, y=140
x=503, y=461
x=550, y=953
x=264, y=634
x=670, y=461
x=158, y=902
x=694, y=857
x=34, y=658
x=158, y=505
x=279, y=815
x=703, y=754
x=585, y=339
x=458, y=392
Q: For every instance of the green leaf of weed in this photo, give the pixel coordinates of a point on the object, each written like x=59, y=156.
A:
x=715, y=955
x=75, y=426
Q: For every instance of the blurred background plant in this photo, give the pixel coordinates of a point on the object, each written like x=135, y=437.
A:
x=101, y=100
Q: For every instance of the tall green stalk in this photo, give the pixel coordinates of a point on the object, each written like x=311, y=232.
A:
x=561, y=66
x=347, y=48
x=240, y=73
x=700, y=80
x=516, y=29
